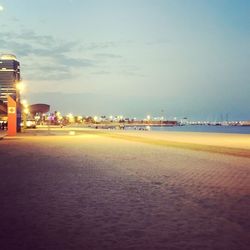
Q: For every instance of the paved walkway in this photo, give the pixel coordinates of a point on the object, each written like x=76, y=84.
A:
x=91, y=191
x=3, y=133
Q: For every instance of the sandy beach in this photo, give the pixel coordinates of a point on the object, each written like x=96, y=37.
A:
x=124, y=190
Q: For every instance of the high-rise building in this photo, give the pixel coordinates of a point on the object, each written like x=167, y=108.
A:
x=9, y=77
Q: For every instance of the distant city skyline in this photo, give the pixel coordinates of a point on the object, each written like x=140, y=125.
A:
x=173, y=58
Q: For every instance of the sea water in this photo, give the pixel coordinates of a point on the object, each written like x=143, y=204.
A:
x=205, y=128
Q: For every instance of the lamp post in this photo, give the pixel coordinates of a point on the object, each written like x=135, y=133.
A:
x=148, y=118
x=19, y=89
x=25, y=112
x=19, y=85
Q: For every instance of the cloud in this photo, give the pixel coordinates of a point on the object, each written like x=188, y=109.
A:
x=108, y=55
x=101, y=72
x=15, y=20
x=1, y=8
x=43, y=57
x=99, y=45
x=46, y=57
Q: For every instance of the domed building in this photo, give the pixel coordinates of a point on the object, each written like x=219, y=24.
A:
x=39, y=109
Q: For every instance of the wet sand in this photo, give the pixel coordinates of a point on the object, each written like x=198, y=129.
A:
x=229, y=144
x=214, y=139
x=97, y=190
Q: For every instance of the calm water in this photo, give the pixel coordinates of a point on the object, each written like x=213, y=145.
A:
x=198, y=128
x=212, y=129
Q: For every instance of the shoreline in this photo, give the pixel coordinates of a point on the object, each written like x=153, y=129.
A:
x=222, y=143
x=233, y=144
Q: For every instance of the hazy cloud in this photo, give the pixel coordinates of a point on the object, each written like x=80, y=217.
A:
x=55, y=56
x=99, y=45
x=101, y=72
x=55, y=59
x=15, y=20
x=108, y=55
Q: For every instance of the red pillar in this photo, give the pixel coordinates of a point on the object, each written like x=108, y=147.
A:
x=12, y=121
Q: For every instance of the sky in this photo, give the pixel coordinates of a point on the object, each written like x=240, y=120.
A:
x=171, y=58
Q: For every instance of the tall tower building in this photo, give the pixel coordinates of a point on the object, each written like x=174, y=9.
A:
x=9, y=77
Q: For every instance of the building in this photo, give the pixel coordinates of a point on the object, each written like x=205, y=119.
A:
x=38, y=112
x=9, y=77
x=3, y=111
x=39, y=109
x=9, y=81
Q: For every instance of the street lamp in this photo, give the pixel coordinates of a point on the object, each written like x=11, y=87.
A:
x=95, y=119
x=20, y=86
x=24, y=103
x=148, y=118
x=25, y=112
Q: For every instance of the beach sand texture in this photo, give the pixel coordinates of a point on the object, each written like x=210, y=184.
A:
x=99, y=191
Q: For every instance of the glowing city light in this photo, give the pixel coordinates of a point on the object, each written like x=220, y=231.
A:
x=26, y=111
x=70, y=117
x=20, y=86
x=24, y=103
